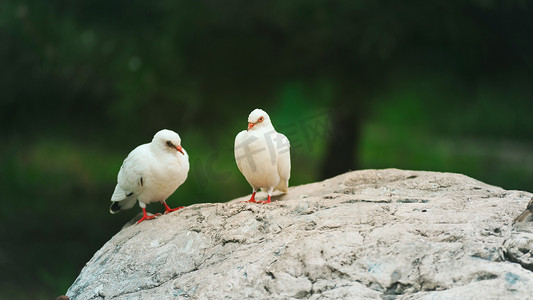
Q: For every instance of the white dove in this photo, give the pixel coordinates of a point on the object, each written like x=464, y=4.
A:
x=263, y=155
x=151, y=173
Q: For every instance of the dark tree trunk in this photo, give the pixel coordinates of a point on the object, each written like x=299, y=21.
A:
x=343, y=143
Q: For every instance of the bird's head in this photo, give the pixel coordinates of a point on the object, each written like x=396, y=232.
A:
x=258, y=118
x=168, y=140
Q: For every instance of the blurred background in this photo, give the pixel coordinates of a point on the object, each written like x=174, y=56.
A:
x=423, y=85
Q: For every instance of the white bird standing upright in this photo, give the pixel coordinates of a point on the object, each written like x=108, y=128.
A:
x=263, y=155
x=151, y=173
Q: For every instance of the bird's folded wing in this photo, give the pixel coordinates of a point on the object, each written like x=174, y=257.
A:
x=130, y=178
x=119, y=194
x=284, y=156
x=239, y=144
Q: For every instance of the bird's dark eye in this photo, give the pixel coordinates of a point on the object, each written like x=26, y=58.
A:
x=169, y=143
x=260, y=119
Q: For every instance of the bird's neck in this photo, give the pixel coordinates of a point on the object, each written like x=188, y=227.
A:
x=159, y=151
x=264, y=129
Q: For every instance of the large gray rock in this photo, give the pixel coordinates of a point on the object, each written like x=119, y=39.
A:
x=381, y=234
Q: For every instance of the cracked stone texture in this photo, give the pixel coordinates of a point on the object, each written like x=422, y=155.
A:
x=371, y=234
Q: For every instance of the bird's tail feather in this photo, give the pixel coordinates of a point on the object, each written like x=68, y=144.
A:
x=121, y=200
x=119, y=194
x=118, y=206
x=283, y=186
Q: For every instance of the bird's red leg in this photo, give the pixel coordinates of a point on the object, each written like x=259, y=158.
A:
x=145, y=216
x=268, y=201
x=252, y=199
x=168, y=209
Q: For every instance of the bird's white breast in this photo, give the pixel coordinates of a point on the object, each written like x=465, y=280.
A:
x=161, y=173
x=165, y=177
x=257, y=155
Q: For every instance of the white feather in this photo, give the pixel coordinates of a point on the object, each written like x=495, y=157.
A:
x=151, y=172
x=263, y=155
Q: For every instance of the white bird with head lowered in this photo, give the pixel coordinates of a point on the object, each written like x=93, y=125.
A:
x=151, y=173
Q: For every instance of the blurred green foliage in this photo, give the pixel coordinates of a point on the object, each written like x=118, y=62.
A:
x=428, y=85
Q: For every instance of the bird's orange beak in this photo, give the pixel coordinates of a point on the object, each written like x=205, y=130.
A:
x=250, y=125
x=180, y=149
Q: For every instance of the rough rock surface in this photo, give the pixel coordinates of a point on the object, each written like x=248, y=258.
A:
x=384, y=234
